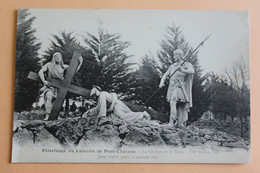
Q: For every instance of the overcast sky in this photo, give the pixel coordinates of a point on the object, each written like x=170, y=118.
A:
x=145, y=28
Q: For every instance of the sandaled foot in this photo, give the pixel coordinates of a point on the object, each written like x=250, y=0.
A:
x=46, y=117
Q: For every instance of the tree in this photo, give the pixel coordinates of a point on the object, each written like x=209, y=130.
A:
x=112, y=69
x=143, y=84
x=238, y=77
x=223, y=98
x=66, y=44
x=26, y=91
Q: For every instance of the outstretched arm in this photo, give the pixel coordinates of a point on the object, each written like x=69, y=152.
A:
x=164, y=77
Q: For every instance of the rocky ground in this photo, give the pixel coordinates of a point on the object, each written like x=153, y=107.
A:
x=82, y=132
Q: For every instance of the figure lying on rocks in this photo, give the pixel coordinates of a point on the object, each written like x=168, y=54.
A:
x=116, y=108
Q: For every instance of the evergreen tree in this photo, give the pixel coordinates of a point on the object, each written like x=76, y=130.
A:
x=223, y=102
x=66, y=44
x=112, y=70
x=26, y=91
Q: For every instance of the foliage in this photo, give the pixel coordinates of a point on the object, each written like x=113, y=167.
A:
x=26, y=91
x=66, y=44
x=111, y=67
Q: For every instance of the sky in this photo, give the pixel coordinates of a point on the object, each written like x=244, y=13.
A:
x=144, y=29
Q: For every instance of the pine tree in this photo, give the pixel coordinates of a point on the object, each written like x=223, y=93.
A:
x=66, y=44
x=112, y=69
x=223, y=98
x=26, y=91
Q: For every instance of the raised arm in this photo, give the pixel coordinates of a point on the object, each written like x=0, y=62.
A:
x=80, y=59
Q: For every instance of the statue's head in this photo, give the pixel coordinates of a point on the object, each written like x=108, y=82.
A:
x=95, y=90
x=178, y=54
x=57, y=58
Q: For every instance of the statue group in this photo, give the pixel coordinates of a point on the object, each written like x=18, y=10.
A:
x=179, y=94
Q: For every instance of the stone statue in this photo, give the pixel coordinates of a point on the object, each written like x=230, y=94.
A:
x=108, y=102
x=54, y=69
x=179, y=92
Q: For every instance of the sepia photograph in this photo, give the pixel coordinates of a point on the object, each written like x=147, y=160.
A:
x=131, y=86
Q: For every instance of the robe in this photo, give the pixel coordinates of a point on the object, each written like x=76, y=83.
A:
x=117, y=108
x=55, y=71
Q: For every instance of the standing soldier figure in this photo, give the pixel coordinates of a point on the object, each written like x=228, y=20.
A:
x=179, y=92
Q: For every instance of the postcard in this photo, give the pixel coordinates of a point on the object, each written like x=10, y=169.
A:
x=132, y=86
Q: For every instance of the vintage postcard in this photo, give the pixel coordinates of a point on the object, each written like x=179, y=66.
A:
x=132, y=86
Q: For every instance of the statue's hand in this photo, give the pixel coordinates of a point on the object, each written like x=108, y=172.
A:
x=80, y=59
x=46, y=83
x=161, y=85
x=109, y=110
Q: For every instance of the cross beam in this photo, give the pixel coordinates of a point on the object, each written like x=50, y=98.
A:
x=57, y=84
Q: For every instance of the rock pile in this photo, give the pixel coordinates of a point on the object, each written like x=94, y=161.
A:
x=83, y=132
x=231, y=127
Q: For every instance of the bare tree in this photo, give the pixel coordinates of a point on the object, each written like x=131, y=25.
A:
x=239, y=76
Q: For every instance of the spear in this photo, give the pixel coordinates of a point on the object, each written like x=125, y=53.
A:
x=184, y=60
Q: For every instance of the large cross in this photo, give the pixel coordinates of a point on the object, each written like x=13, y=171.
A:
x=66, y=86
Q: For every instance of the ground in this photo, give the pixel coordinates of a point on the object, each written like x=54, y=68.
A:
x=207, y=135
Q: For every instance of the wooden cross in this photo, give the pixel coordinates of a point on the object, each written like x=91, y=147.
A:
x=66, y=86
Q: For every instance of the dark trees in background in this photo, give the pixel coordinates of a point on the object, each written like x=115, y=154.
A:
x=238, y=77
x=230, y=95
x=26, y=91
x=143, y=83
x=223, y=97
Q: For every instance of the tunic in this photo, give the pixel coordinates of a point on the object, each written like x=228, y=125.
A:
x=180, y=90
x=55, y=71
x=180, y=85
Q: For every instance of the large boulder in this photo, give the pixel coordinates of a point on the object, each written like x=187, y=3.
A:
x=68, y=131
x=102, y=136
x=46, y=139
x=142, y=134
x=23, y=137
